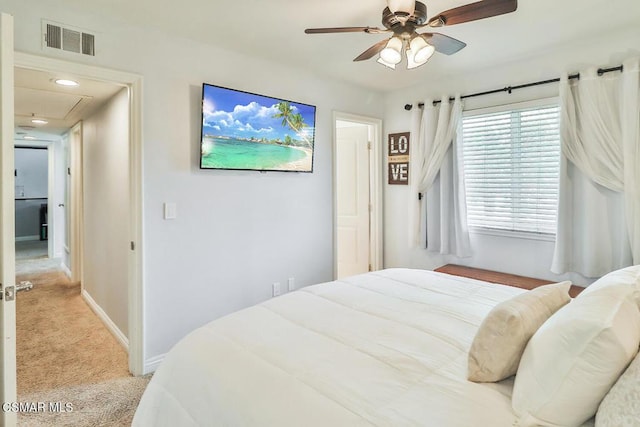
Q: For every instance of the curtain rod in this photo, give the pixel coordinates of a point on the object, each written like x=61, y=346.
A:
x=509, y=89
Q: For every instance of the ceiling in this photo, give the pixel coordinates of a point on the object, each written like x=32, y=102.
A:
x=37, y=95
x=274, y=30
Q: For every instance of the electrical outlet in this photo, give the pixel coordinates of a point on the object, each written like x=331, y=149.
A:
x=291, y=283
x=276, y=289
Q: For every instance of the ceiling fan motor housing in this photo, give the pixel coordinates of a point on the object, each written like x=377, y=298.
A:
x=391, y=20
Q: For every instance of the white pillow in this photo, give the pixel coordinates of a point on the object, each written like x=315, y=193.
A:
x=629, y=277
x=575, y=357
x=500, y=341
x=621, y=406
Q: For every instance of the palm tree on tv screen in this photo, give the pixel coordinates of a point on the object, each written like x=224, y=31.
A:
x=294, y=121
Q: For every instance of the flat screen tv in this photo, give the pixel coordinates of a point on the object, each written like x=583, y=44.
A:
x=246, y=131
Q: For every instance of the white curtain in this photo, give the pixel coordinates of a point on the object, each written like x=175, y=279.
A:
x=436, y=171
x=599, y=210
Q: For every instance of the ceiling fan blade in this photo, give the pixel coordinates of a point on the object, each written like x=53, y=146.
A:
x=372, y=51
x=372, y=30
x=443, y=44
x=473, y=12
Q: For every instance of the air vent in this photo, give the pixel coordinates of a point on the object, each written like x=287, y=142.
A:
x=67, y=38
x=71, y=40
x=53, y=36
x=88, y=44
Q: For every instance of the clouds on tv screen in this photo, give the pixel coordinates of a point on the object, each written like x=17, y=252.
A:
x=244, y=120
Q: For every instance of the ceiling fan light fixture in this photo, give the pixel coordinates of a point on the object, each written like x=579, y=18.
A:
x=392, y=52
x=411, y=63
x=386, y=64
x=422, y=50
x=402, y=7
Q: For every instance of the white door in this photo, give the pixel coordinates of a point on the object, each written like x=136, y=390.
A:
x=7, y=225
x=75, y=208
x=352, y=195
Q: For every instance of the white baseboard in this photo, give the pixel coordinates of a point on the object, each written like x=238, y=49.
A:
x=122, y=339
x=27, y=238
x=150, y=365
x=65, y=269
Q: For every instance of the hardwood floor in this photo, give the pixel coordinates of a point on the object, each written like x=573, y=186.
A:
x=502, y=278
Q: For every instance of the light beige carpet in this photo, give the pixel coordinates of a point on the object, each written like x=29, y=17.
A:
x=60, y=341
x=110, y=403
x=66, y=354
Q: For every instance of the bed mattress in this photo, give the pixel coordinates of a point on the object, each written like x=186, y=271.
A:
x=386, y=348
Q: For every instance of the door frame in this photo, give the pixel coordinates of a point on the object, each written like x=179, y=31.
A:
x=51, y=211
x=133, y=82
x=8, y=383
x=375, y=188
x=76, y=204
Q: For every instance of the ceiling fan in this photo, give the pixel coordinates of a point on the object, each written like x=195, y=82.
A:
x=404, y=17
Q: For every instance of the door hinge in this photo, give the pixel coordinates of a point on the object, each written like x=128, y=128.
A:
x=368, y=145
x=133, y=246
x=370, y=267
x=370, y=208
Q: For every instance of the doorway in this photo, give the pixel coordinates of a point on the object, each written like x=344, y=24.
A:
x=66, y=323
x=129, y=93
x=357, y=194
x=32, y=231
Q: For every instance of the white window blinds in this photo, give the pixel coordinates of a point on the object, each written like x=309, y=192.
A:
x=511, y=165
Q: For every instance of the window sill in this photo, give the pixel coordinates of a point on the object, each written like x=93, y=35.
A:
x=513, y=234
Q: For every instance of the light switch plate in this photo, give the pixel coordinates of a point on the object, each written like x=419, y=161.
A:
x=169, y=210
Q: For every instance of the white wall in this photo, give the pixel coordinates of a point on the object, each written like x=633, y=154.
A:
x=32, y=165
x=105, y=151
x=516, y=256
x=236, y=232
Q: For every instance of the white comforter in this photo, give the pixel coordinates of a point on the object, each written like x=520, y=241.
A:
x=387, y=348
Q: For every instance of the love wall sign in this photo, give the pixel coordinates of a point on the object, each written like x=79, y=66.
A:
x=399, y=158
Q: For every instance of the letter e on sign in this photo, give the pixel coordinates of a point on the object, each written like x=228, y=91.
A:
x=399, y=173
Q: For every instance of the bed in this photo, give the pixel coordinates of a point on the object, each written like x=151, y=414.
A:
x=386, y=348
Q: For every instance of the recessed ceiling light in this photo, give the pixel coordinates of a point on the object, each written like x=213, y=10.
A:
x=29, y=137
x=39, y=121
x=66, y=82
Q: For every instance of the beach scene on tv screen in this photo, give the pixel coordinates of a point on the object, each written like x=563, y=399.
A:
x=247, y=131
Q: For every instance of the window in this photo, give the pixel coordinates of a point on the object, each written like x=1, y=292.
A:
x=511, y=166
